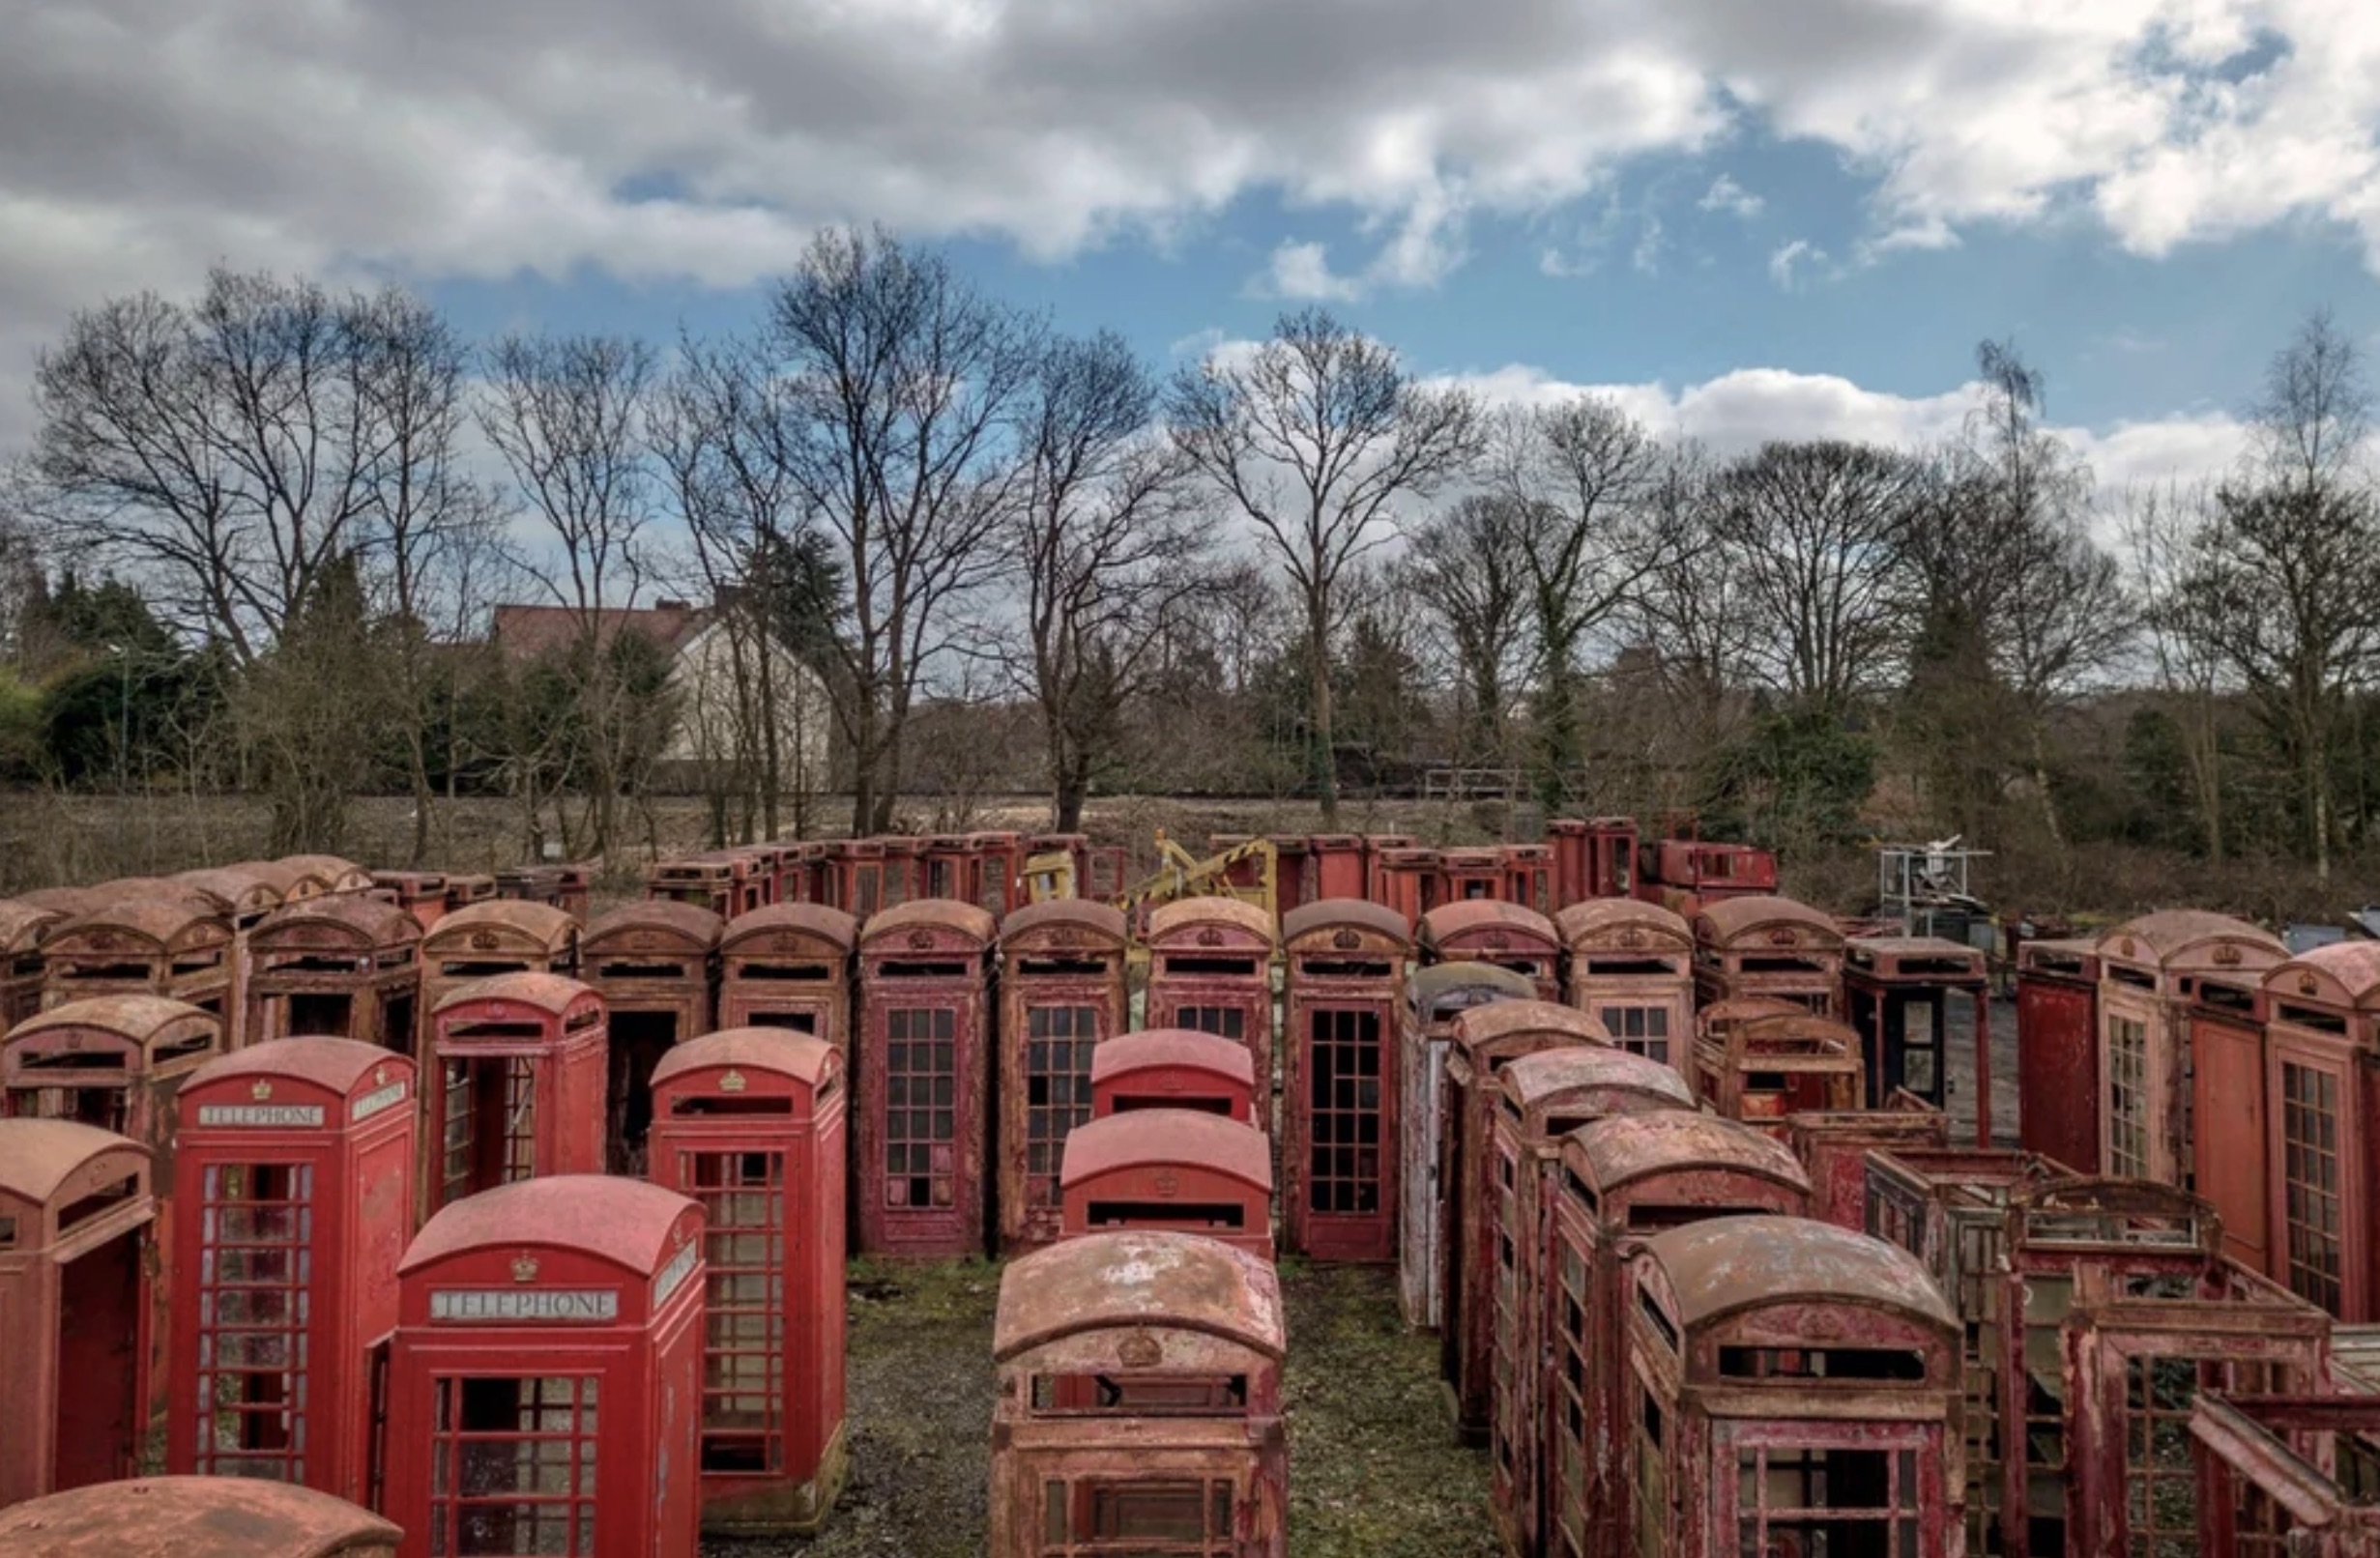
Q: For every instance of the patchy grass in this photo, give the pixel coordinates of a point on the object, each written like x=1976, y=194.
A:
x=1374, y=1469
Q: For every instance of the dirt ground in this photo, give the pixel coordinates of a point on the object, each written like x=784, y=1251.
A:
x=1374, y=1469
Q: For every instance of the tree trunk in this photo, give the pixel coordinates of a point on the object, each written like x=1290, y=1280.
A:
x=2318, y=781
x=772, y=776
x=2040, y=785
x=1073, y=791
x=1322, y=749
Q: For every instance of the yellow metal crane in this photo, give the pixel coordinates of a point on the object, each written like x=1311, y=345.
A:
x=1183, y=875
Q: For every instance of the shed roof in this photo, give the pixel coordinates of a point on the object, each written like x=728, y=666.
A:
x=820, y=920
x=1429, y=984
x=191, y=1517
x=38, y=1156
x=137, y=1018
x=626, y=1222
x=1533, y=1077
x=1169, y=919
x=1501, y=1020
x=1087, y=915
x=1598, y=917
x=933, y=914
x=1155, y=1046
x=334, y=1064
x=750, y=1049
x=1188, y=1136
x=1360, y=914
x=1103, y=1281
x=547, y=992
x=1727, y=1264
x=699, y=926
x=1449, y=920
x=1723, y=921
x=1629, y=1148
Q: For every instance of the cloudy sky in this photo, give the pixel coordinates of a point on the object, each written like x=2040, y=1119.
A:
x=1748, y=217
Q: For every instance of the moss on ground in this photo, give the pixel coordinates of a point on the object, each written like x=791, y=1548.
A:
x=1374, y=1469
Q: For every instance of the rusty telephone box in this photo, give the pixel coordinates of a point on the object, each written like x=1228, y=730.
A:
x=1759, y=1062
x=1466, y=876
x=1790, y=1382
x=1434, y=997
x=1176, y=1068
x=296, y=1167
x=1406, y=880
x=1916, y=999
x=1173, y=1169
x=545, y=1376
x=75, y=1305
x=942, y=864
x=1486, y=1040
x=925, y=1080
x=195, y=1517
x=1341, y=867
x=1622, y=1178
x=788, y=966
x=653, y=962
x=1343, y=993
x=1061, y=996
x=1762, y=945
x=995, y=863
x=421, y=894
x=1541, y=1099
x=171, y=946
x=22, y=927
x=516, y=1089
x=1529, y=876
x=343, y=967
x=321, y=876
x=1631, y=963
x=500, y=936
x=749, y=1123
x=2230, y=1114
x=2057, y=1051
x=2319, y=1110
x=1488, y=930
x=712, y=880
x=1139, y=1404
x=1210, y=969
x=1835, y=1147
x=2286, y=1475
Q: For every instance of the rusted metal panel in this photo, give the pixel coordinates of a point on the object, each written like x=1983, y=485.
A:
x=2057, y=1051
x=23, y=927
x=1174, y=1068
x=1631, y=965
x=1508, y=935
x=1406, y=880
x=1486, y=1040
x=1686, y=873
x=924, y=1046
x=76, y=1299
x=1139, y=1400
x=2231, y=1127
x=341, y=966
x=1769, y=947
x=1343, y=993
x=295, y=1161
x=1210, y=969
x=1905, y=996
x=571, y=1309
x=1292, y=871
x=1435, y=996
x=1834, y=1144
x=515, y=1085
x=496, y=936
x=1340, y=867
x=1763, y=1351
x=655, y=963
x=1543, y=1097
x=750, y=1122
x=1062, y=992
x=1759, y=1061
x=788, y=966
x=195, y=1517
x=1169, y=1169
x=2279, y=1474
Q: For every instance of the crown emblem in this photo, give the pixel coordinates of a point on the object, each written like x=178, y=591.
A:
x=1139, y=1351
x=380, y=1076
x=1211, y=938
x=261, y=1091
x=1167, y=1183
x=1632, y=938
x=482, y=940
x=2308, y=985
x=2227, y=956
x=732, y=1082
x=1497, y=940
x=1782, y=938
x=1347, y=940
x=524, y=1269
x=920, y=940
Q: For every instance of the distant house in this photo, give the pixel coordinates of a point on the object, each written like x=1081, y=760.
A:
x=702, y=646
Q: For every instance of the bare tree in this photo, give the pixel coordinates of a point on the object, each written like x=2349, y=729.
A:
x=1109, y=547
x=1315, y=437
x=1691, y=607
x=902, y=381
x=2157, y=527
x=1468, y=569
x=567, y=415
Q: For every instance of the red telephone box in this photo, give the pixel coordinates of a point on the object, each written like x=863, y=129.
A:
x=296, y=1166
x=1541, y=1098
x=1435, y=996
x=1903, y=993
x=998, y=862
x=1486, y=1040
x=714, y=881
x=1488, y=930
x=1210, y=969
x=1566, y=837
x=1062, y=992
x=1174, y=1068
x=749, y=1123
x=320, y=876
x=1345, y=991
x=171, y=946
x=422, y=894
x=74, y=1307
x=1341, y=867
x=2231, y=1113
x=498, y=937
x=1835, y=1145
x=465, y=891
x=766, y=868
x=341, y=966
x=564, y=888
x=1406, y=880
x=1621, y=1179
x=22, y=927
x=788, y=966
x=195, y=1517
x=1529, y=876
x=2320, y=1158
x=1139, y=1405
x=861, y=864
x=1293, y=876
x=2285, y=1476
x=943, y=868
x=1632, y=965
x=1789, y=1383
x=904, y=865
x=925, y=1010
x=652, y=961
x=545, y=1378
x=1766, y=946
x=2057, y=1051
x=1173, y=1171
x=519, y=1089
x=1466, y=875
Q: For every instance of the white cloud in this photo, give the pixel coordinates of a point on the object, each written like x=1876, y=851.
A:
x=1789, y=257
x=1302, y=273
x=1727, y=195
x=1646, y=257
